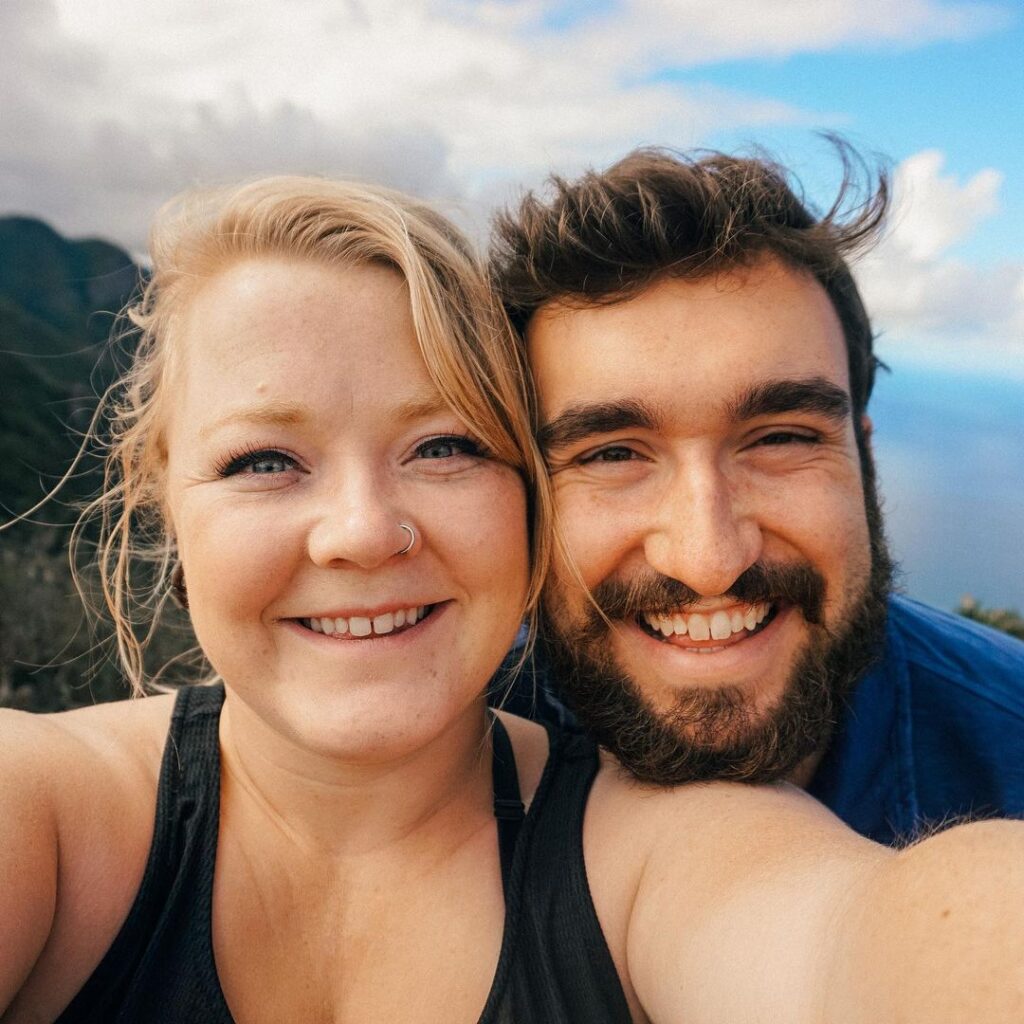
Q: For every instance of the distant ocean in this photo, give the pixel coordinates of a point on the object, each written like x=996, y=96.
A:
x=950, y=455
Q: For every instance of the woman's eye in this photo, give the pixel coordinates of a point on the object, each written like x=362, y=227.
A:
x=448, y=447
x=256, y=463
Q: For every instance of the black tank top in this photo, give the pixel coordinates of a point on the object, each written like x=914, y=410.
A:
x=554, y=966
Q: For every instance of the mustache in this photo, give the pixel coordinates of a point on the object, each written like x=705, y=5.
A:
x=795, y=583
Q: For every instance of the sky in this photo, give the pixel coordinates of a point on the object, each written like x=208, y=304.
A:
x=109, y=107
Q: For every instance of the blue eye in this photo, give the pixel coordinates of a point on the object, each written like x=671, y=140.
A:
x=259, y=462
x=448, y=446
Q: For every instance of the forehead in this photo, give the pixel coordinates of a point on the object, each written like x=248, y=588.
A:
x=271, y=345
x=689, y=346
x=273, y=329
x=255, y=307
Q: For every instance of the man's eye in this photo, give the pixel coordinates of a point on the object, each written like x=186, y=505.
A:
x=262, y=462
x=613, y=453
x=448, y=446
x=783, y=437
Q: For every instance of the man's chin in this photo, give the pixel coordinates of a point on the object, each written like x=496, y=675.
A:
x=736, y=729
x=699, y=733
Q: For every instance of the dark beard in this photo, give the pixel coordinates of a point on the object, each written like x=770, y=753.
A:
x=716, y=734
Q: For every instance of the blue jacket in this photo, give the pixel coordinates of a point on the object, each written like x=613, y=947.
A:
x=932, y=734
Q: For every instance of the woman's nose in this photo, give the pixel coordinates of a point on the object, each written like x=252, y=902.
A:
x=360, y=523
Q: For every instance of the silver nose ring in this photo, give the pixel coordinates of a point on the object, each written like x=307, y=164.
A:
x=412, y=539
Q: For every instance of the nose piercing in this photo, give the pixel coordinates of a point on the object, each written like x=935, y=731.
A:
x=412, y=539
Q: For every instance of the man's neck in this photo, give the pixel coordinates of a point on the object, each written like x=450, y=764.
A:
x=802, y=774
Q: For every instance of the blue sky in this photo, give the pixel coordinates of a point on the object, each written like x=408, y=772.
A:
x=965, y=98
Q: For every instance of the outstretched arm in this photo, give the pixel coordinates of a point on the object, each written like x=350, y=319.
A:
x=28, y=854
x=937, y=934
x=756, y=904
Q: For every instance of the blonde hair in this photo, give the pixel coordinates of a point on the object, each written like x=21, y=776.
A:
x=464, y=337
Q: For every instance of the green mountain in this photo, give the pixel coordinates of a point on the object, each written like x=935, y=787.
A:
x=58, y=301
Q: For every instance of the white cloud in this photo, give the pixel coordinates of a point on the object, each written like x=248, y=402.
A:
x=916, y=284
x=112, y=105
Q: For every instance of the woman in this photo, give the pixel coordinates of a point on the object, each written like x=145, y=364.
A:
x=325, y=431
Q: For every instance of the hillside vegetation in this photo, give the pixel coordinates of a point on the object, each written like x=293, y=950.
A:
x=58, y=302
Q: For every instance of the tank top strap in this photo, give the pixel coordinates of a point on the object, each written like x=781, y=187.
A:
x=169, y=922
x=508, y=802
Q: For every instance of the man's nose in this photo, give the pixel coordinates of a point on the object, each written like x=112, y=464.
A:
x=357, y=521
x=704, y=532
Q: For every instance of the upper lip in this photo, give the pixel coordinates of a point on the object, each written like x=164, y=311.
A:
x=703, y=609
x=364, y=611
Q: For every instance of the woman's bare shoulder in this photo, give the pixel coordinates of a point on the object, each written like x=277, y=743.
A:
x=119, y=737
x=82, y=785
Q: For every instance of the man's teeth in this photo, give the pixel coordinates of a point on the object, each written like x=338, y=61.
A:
x=718, y=625
x=359, y=625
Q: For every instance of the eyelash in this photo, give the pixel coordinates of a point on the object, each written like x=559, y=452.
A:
x=592, y=457
x=238, y=461
x=465, y=445
x=783, y=437
x=246, y=457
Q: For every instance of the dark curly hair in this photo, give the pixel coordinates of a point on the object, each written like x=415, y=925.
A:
x=607, y=235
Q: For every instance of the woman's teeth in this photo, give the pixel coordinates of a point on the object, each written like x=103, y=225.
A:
x=718, y=625
x=359, y=626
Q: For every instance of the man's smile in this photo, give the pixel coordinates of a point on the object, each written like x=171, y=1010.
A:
x=723, y=626
x=749, y=658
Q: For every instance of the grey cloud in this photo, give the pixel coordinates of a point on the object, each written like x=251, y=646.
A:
x=72, y=152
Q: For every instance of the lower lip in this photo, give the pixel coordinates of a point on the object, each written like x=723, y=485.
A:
x=710, y=661
x=375, y=641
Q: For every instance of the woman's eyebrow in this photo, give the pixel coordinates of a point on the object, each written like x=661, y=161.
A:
x=266, y=414
x=416, y=408
x=813, y=394
x=579, y=422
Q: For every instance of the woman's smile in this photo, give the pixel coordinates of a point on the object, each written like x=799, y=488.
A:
x=370, y=625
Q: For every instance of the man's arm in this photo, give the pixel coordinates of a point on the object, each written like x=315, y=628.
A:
x=756, y=904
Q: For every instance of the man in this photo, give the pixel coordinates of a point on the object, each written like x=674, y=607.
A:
x=722, y=604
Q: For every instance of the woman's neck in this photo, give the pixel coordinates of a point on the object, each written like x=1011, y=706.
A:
x=334, y=808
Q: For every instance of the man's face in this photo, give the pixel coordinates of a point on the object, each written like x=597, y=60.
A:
x=724, y=573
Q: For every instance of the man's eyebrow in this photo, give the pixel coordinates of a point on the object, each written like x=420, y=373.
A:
x=266, y=414
x=813, y=394
x=582, y=421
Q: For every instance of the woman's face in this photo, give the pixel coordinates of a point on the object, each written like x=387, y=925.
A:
x=304, y=429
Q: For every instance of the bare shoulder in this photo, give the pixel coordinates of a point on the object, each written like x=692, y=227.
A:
x=77, y=802
x=690, y=881
x=68, y=755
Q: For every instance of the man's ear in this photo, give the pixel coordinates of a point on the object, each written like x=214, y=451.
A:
x=866, y=429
